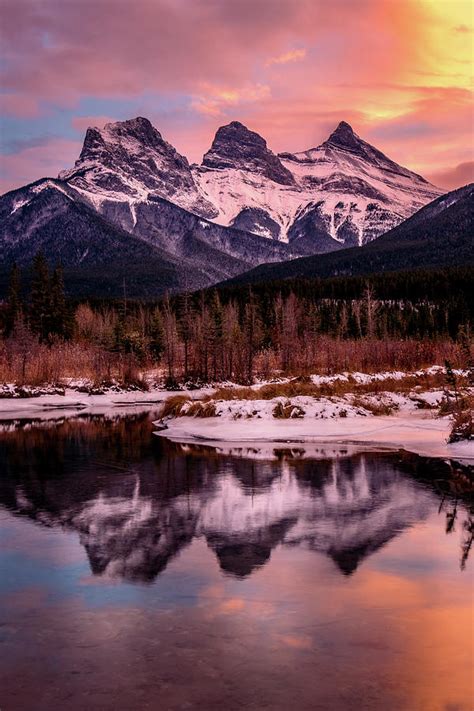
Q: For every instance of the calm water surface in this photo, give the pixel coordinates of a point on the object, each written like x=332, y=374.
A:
x=139, y=574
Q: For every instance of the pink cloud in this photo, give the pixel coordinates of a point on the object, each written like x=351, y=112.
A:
x=456, y=177
x=293, y=55
x=19, y=105
x=158, y=45
x=36, y=162
x=369, y=62
x=82, y=123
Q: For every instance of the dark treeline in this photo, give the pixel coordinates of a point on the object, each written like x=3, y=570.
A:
x=45, y=312
x=400, y=320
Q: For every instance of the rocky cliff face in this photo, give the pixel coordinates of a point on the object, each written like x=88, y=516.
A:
x=130, y=160
x=237, y=148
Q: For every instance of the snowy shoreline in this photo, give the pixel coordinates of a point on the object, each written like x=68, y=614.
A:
x=413, y=432
x=409, y=422
x=73, y=403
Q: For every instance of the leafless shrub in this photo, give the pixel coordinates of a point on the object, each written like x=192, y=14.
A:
x=462, y=426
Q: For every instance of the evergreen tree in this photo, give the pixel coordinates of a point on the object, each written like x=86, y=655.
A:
x=157, y=334
x=14, y=308
x=40, y=300
x=185, y=328
x=216, y=334
x=59, y=322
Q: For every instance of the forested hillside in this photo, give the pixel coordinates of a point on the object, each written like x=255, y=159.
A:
x=400, y=320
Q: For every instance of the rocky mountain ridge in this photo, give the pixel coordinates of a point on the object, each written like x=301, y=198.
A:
x=344, y=192
x=242, y=207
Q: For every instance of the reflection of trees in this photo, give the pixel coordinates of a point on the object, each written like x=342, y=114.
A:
x=451, y=510
x=456, y=491
x=136, y=500
x=466, y=545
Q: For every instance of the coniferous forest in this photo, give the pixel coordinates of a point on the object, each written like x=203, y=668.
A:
x=399, y=320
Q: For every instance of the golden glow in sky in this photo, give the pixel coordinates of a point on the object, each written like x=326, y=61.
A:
x=400, y=71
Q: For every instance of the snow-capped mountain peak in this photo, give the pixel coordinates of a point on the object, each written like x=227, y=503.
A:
x=236, y=147
x=343, y=135
x=130, y=160
x=344, y=192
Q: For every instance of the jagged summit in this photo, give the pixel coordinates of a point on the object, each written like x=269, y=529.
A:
x=342, y=193
x=345, y=139
x=235, y=146
x=130, y=135
x=139, y=128
x=344, y=135
x=131, y=160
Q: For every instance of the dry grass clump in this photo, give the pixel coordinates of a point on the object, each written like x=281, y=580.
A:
x=182, y=406
x=233, y=394
x=305, y=387
x=201, y=409
x=173, y=406
x=375, y=408
x=286, y=410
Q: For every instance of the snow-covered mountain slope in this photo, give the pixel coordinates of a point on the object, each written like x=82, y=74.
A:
x=344, y=192
x=173, y=250
x=48, y=216
x=244, y=206
x=139, y=182
x=440, y=234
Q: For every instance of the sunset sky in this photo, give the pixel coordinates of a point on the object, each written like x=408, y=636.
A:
x=400, y=71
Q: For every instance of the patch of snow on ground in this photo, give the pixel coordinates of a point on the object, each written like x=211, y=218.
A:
x=19, y=204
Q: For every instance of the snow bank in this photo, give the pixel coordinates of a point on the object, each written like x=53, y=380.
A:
x=70, y=402
x=412, y=423
x=415, y=432
x=250, y=425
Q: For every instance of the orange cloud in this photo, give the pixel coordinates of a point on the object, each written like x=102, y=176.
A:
x=401, y=72
x=292, y=56
x=213, y=99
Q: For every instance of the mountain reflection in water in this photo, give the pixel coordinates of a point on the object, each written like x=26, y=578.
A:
x=136, y=501
x=140, y=574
